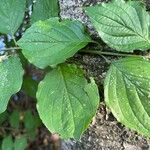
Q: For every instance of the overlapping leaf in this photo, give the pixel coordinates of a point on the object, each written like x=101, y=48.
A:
x=51, y=42
x=11, y=74
x=14, y=119
x=20, y=143
x=11, y=15
x=127, y=93
x=44, y=9
x=30, y=86
x=66, y=101
x=7, y=143
x=124, y=26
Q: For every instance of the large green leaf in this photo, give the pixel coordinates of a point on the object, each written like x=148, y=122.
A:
x=11, y=15
x=51, y=42
x=44, y=9
x=11, y=74
x=66, y=101
x=124, y=26
x=127, y=93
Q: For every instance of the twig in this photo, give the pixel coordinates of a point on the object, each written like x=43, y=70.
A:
x=12, y=129
x=14, y=40
x=109, y=53
x=10, y=49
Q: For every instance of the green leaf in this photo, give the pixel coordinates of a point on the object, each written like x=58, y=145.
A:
x=11, y=15
x=7, y=143
x=124, y=26
x=44, y=9
x=31, y=123
x=66, y=101
x=127, y=93
x=30, y=86
x=51, y=42
x=29, y=3
x=3, y=117
x=11, y=74
x=14, y=119
x=20, y=143
x=29, y=120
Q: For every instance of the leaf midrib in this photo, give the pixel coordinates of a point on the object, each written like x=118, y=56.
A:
x=65, y=89
x=124, y=25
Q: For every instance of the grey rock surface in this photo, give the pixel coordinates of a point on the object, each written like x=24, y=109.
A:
x=105, y=133
x=74, y=10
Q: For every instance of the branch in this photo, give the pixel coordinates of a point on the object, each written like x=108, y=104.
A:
x=109, y=53
x=10, y=49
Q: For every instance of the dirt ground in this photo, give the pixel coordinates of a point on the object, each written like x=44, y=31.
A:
x=105, y=133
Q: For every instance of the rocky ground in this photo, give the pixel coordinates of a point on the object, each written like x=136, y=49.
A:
x=105, y=133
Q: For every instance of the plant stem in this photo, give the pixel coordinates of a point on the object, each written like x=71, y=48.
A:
x=12, y=129
x=10, y=49
x=14, y=40
x=109, y=53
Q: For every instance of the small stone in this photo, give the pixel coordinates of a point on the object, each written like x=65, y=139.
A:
x=131, y=147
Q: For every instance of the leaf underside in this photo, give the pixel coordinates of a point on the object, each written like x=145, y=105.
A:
x=9, y=16
x=11, y=74
x=51, y=42
x=66, y=101
x=124, y=26
x=127, y=93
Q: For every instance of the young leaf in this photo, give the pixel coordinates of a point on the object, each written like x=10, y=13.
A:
x=122, y=25
x=14, y=119
x=30, y=86
x=11, y=15
x=44, y=9
x=20, y=143
x=127, y=93
x=3, y=117
x=66, y=101
x=51, y=42
x=31, y=122
x=11, y=74
x=7, y=143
